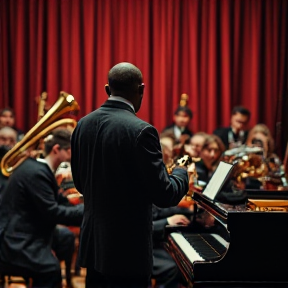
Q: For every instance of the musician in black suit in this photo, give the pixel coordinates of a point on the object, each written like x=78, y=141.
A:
x=210, y=155
x=29, y=212
x=117, y=165
x=165, y=270
x=179, y=130
x=236, y=134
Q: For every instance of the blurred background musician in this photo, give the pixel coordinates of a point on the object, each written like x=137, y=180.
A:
x=236, y=134
x=268, y=169
x=8, y=138
x=260, y=135
x=258, y=166
x=210, y=155
x=7, y=118
x=29, y=212
x=179, y=130
x=196, y=142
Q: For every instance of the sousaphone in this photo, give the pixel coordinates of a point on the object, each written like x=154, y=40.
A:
x=51, y=120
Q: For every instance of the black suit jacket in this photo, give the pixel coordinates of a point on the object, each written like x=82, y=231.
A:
x=223, y=134
x=29, y=212
x=117, y=165
x=169, y=131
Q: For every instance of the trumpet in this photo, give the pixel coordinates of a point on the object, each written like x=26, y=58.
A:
x=51, y=120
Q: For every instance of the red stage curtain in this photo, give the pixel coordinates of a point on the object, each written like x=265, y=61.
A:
x=220, y=52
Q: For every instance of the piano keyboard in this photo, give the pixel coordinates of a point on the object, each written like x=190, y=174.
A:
x=200, y=247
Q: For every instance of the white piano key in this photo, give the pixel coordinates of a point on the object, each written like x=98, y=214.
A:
x=189, y=251
x=221, y=240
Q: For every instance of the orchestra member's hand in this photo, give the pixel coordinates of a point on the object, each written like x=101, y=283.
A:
x=178, y=219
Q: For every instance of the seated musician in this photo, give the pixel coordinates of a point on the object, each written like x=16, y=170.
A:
x=236, y=134
x=261, y=136
x=165, y=270
x=269, y=164
x=210, y=155
x=8, y=138
x=7, y=119
x=29, y=212
x=179, y=129
x=195, y=144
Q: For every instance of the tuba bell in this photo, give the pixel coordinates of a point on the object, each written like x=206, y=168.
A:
x=51, y=120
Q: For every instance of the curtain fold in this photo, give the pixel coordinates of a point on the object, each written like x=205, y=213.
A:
x=221, y=53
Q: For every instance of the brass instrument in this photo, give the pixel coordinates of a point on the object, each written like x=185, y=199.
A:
x=189, y=162
x=186, y=160
x=251, y=163
x=51, y=120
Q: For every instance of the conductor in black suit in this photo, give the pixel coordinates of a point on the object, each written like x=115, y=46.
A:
x=117, y=165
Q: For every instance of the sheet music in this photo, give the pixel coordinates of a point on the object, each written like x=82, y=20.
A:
x=217, y=180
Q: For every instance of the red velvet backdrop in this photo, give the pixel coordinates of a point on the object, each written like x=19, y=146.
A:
x=220, y=52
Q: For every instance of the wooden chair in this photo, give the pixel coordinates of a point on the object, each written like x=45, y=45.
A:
x=12, y=275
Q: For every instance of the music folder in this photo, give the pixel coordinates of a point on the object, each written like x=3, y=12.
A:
x=219, y=178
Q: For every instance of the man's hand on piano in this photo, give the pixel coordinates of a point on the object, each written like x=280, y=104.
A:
x=178, y=219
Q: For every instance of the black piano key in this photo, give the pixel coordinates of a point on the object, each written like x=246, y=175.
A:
x=206, y=245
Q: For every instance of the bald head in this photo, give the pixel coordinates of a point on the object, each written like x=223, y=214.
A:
x=125, y=80
x=124, y=77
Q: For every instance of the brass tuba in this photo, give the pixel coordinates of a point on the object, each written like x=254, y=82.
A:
x=51, y=120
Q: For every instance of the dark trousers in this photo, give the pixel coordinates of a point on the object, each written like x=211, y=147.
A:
x=165, y=270
x=95, y=279
x=64, y=245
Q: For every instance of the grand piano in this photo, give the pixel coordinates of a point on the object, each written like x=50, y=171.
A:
x=232, y=243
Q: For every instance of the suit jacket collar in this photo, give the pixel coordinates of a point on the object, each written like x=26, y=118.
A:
x=118, y=104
